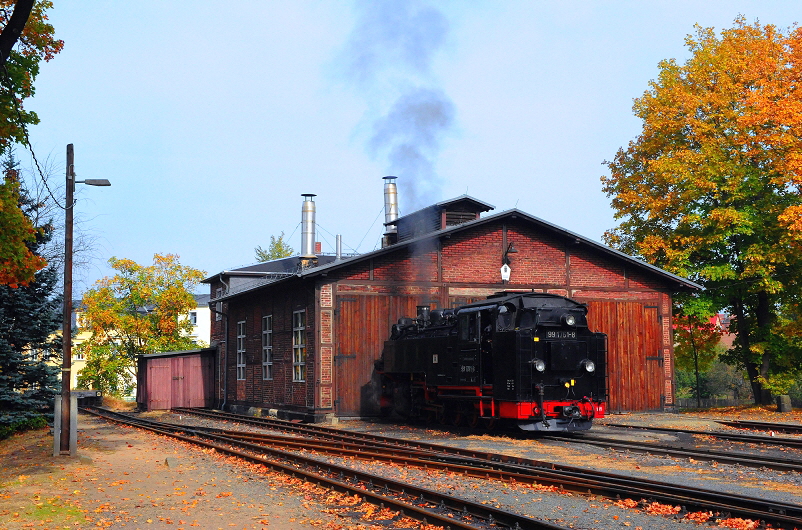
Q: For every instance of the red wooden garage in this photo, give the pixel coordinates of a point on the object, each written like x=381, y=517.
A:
x=176, y=379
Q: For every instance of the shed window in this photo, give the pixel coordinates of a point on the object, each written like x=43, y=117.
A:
x=299, y=345
x=241, y=350
x=267, y=347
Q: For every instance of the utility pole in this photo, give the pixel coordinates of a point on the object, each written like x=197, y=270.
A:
x=67, y=443
x=66, y=329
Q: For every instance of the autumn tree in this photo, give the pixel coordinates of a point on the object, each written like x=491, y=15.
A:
x=30, y=315
x=26, y=40
x=139, y=310
x=710, y=189
x=278, y=249
x=696, y=339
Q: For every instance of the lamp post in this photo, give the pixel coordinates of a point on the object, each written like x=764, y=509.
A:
x=66, y=330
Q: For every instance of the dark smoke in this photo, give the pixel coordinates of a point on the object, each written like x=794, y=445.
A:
x=410, y=133
x=389, y=55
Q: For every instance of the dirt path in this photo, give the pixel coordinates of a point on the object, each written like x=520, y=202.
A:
x=129, y=478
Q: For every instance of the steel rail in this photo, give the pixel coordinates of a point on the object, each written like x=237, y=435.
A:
x=763, y=426
x=403, y=497
x=743, y=459
x=306, y=428
x=611, y=485
x=582, y=483
x=734, y=437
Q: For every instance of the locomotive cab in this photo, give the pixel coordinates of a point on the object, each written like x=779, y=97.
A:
x=553, y=367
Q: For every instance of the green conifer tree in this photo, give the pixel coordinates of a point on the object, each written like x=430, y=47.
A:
x=29, y=317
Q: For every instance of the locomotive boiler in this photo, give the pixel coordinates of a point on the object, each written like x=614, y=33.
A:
x=526, y=359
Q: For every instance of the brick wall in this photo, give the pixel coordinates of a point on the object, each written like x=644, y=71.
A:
x=473, y=256
x=592, y=269
x=281, y=391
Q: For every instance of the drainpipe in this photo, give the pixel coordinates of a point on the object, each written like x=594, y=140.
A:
x=213, y=309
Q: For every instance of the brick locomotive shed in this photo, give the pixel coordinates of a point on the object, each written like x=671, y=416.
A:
x=298, y=337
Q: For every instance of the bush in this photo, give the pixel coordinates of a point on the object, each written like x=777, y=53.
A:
x=35, y=422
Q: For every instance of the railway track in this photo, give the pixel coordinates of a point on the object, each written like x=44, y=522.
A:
x=763, y=426
x=504, y=467
x=704, y=455
x=426, y=505
x=722, y=435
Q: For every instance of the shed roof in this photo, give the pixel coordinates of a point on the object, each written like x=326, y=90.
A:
x=679, y=283
x=178, y=353
x=465, y=202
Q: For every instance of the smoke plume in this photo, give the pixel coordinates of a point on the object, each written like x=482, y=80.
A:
x=389, y=56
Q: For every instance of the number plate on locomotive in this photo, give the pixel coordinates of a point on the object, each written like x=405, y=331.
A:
x=561, y=334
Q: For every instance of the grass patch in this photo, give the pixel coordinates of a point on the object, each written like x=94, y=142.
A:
x=53, y=510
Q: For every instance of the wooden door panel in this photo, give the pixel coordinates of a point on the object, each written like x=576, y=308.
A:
x=634, y=374
x=362, y=325
x=159, y=384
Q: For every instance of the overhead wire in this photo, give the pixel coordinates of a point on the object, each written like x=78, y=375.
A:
x=369, y=229
x=7, y=83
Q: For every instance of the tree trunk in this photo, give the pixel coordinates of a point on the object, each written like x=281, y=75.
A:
x=696, y=367
x=743, y=340
x=13, y=30
x=764, y=317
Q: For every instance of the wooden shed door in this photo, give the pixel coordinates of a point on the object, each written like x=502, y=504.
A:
x=362, y=325
x=159, y=384
x=198, y=385
x=178, y=376
x=634, y=369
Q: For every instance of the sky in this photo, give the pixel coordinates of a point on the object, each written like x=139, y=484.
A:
x=212, y=119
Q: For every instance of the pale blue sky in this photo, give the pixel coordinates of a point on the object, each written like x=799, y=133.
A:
x=211, y=119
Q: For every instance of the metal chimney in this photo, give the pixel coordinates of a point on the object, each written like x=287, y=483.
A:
x=390, y=202
x=390, y=211
x=338, y=247
x=308, y=226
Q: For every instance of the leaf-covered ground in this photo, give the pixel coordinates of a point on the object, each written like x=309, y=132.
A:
x=127, y=478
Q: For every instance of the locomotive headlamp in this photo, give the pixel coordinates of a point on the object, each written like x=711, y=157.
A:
x=539, y=365
x=589, y=366
x=569, y=320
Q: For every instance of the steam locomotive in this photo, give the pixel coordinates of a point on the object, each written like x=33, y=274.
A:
x=525, y=359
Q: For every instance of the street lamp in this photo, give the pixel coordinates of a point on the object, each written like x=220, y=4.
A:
x=67, y=442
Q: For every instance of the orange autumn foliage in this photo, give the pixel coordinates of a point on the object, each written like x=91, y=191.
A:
x=17, y=263
x=718, y=160
x=36, y=43
x=711, y=189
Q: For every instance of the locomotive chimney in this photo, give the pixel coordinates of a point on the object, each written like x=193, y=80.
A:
x=390, y=211
x=423, y=314
x=308, y=228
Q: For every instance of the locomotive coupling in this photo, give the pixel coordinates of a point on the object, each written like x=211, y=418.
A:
x=571, y=411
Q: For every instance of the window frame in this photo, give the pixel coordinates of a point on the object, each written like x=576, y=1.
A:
x=241, y=351
x=267, y=347
x=299, y=346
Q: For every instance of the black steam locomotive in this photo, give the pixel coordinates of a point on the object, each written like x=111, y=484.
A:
x=526, y=359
